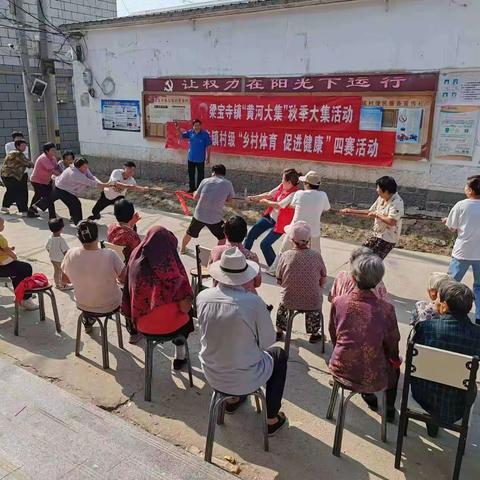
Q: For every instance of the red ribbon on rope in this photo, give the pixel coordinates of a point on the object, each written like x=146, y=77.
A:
x=182, y=199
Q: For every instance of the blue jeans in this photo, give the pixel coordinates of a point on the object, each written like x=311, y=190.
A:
x=458, y=268
x=264, y=224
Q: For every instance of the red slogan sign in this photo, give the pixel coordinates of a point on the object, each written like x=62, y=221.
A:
x=379, y=82
x=361, y=147
x=317, y=113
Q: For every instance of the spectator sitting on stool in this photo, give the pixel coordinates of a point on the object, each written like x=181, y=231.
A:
x=94, y=272
x=302, y=274
x=242, y=364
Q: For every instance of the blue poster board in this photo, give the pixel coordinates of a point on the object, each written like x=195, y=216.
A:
x=122, y=115
x=371, y=118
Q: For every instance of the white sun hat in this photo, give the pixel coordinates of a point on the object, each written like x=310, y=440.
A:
x=233, y=268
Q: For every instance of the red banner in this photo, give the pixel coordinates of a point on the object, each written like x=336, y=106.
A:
x=361, y=147
x=302, y=112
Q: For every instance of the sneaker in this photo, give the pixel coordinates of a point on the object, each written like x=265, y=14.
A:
x=32, y=215
x=276, y=427
x=135, y=338
x=179, y=363
x=94, y=217
x=279, y=336
x=28, y=304
x=5, y=210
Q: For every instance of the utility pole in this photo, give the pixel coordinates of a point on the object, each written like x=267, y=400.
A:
x=48, y=71
x=19, y=16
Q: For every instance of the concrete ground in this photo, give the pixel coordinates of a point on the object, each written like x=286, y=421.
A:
x=178, y=413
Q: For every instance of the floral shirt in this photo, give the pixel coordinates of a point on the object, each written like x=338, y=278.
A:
x=344, y=284
x=365, y=337
x=15, y=164
x=123, y=236
x=424, y=311
x=299, y=272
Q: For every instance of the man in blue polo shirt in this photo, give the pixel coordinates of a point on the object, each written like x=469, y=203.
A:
x=198, y=152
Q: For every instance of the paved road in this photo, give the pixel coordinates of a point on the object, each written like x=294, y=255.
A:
x=178, y=413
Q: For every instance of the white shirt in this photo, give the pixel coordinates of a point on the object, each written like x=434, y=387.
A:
x=94, y=274
x=239, y=365
x=309, y=206
x=10, y=147
x=465, y=218
x=57, y=248
x=391, y=208
x=117, y=176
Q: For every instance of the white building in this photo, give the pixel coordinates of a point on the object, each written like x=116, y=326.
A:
x=277, y=38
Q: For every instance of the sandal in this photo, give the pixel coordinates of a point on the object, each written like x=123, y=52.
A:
x=281, y=422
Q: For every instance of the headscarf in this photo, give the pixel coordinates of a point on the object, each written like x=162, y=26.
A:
x=155, y=275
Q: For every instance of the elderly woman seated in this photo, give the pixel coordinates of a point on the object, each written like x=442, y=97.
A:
x=157, y=298
x=124, y=233
x=344, y=282
x=365, y=335
x=428, y=310
x=302, y=275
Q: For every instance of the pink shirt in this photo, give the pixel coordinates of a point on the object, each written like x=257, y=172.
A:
x=43, y=169
x=216, y=254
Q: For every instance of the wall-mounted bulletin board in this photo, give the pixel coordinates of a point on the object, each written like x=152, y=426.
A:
x=458, y=101
x=365, y=119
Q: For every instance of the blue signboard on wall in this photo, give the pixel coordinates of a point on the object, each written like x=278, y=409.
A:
x=122, y=115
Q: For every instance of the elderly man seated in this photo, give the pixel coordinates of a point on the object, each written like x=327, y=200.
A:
x=237, y=337
x=453, y=331
x=365, y=335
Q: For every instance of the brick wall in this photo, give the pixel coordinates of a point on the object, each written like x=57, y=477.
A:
x=13, y=115
x=12, y=103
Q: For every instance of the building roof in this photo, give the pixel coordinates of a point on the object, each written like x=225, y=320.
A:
x=197, y=12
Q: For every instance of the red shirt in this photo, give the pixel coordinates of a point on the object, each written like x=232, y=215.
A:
x=123, y=236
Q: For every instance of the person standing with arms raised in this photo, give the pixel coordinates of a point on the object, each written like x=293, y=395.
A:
x=199, y=146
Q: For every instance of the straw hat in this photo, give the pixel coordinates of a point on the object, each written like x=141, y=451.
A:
x=233, y=268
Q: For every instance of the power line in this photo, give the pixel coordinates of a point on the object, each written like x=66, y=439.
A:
x=125, y=7
x=13, y=4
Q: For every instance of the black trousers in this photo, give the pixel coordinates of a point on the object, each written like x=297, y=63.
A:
x=199, y=167
x=71, y=201
x=17, y=271
x=371, y=399
x=43, y=191
x=16, y=192
x=276, y=382
x=103, y=202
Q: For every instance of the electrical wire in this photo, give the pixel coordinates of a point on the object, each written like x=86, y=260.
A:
x=27, y=27
x=12, y=3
